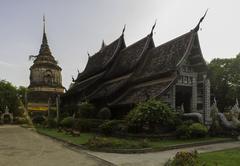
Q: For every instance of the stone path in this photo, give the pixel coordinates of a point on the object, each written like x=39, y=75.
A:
x=21, y=147
x=157, y=158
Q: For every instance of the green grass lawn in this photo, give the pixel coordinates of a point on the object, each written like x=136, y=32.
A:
x=82, y=139
x=171, y=142
x=122, y=143
x=229, y=157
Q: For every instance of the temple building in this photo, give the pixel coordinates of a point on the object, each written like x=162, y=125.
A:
x=120, y=76
x=45, y=79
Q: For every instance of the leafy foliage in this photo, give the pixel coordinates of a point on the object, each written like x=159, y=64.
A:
x=87, y=125
x=184, y=159
x=87, y=110
x=51, y=122
x=20, y=120
x=8, y=97
x=198, y=130
x=225, y=80
x=67, y=122
x=183, y=131
x=149, y=115
x=104, y=113
x=38, y=119
x=22, y=91
x=191, y=130
x=109, y=127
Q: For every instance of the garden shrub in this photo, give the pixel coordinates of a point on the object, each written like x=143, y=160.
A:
x=194, y=130
x=183, y=131
x=51, y=122
x=188, y=122
x=38, y=119
x=106, y=142
x=198, y=130
x=104, y=113
x=87, y=110
x=110, y=127
x=149, y=115
x=184, y=159
x=67, y=122
x=20, y=120
x=87, y=125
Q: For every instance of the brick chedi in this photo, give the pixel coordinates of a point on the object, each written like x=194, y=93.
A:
x=45, y=78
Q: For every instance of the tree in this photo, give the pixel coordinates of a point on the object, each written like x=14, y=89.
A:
x=150, y=115
x=21, y=90
x=225, y=80
x=8, y=97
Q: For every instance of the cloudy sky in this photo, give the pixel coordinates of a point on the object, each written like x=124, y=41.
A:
x=75, y=27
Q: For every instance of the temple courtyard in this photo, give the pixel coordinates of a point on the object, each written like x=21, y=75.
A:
x=23, y=147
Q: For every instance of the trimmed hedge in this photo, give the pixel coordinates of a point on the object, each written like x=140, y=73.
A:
x=183, y=131
x=198, y=130
x=111, y=143
x=111, y=127
x=87, y=110
x=87, y=125
x=67, y=122
x=104, y=113
x=194, y=130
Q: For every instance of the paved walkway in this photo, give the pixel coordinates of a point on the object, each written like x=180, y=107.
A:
x=21, y=147
x=157, y=158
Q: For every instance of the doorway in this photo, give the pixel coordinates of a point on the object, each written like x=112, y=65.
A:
x=184, y=97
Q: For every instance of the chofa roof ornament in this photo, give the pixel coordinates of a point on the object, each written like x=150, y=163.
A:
x=124, y=28
x=201, y=19
x=153, y=27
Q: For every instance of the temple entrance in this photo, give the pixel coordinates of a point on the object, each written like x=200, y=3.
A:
x=183, y=98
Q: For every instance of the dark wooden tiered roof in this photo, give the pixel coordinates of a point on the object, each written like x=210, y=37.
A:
x=96, y=66
x=119, y=73
x=147, y=90
x=128, y=58
x=158, y=71
x=138, y=72
x=164, y=58
x=98, y=62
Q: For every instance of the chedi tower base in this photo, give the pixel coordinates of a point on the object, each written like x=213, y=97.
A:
x=45, y=80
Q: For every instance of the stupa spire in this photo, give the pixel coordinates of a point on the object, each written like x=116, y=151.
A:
x=44, y=39
x=44, y=46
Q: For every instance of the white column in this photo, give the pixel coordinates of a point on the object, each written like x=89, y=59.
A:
x=206, y=106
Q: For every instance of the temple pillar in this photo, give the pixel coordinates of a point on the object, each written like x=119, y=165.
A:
x=206, y=101
x=194, y=94
x=173, y=97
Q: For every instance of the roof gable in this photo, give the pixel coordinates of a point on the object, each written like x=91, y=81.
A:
x=98, y=62
x=128, y=58
x=165, y=57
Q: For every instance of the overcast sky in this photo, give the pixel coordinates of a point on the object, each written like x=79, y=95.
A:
x=75, y=27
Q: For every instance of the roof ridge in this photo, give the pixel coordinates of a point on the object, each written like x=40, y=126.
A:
x=176, y=38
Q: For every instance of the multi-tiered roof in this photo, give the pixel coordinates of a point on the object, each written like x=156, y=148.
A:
x=119, y=75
